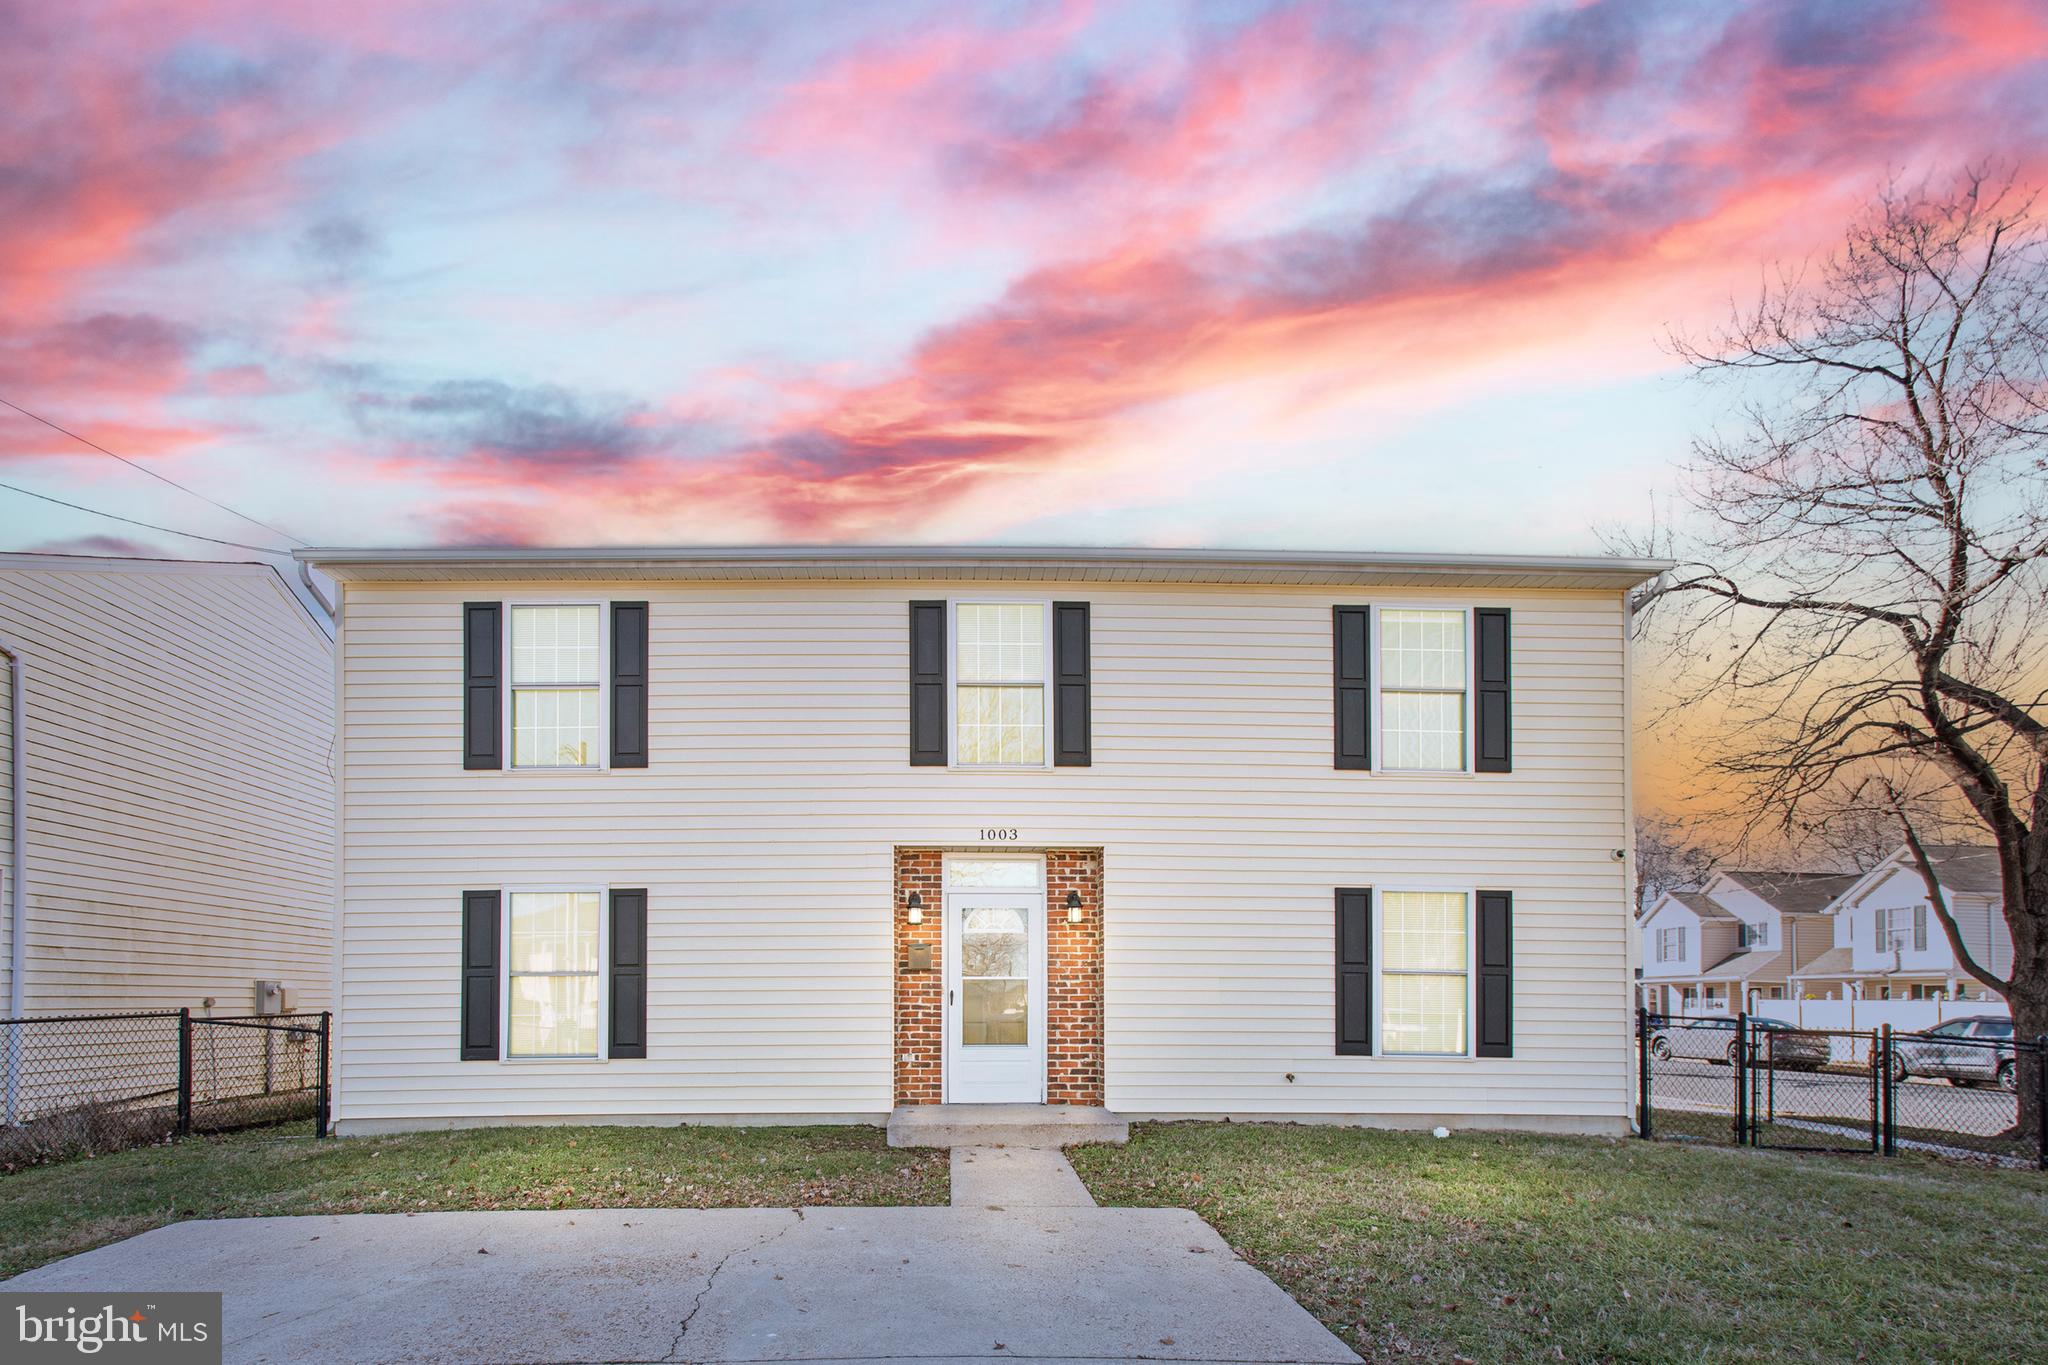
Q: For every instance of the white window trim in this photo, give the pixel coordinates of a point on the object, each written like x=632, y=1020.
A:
x=604, y=968
x=953, y=605
x=1379, y=957
x=1679, y=943
x=1896, y=924
x=1379, y=680
x=604, y=688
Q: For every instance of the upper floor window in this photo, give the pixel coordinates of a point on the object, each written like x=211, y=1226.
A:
x=1424, y=679
x=1757, y=935
x=999, y=682
x=557, y=685
x=1671, y=944
x=1902, y=926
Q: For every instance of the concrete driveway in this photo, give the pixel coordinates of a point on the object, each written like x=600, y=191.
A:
x=1042, y=1281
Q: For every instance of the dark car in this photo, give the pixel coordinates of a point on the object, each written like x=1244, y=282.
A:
x=1780, y=1045
x=1968, y=1051
x=1713, y=1039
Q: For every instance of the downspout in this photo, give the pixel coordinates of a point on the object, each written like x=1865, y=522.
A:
x=17, y=847
x=306, y=577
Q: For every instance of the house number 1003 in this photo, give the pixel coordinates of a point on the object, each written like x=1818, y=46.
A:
x=999, y=836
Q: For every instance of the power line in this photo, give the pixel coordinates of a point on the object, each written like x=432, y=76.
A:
x=165, y=478
x=146, y=525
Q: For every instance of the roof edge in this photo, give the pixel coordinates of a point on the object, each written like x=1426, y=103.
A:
x=939, y=556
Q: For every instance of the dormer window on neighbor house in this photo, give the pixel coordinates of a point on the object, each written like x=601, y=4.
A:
x=1757, y=935
x=1671, y=944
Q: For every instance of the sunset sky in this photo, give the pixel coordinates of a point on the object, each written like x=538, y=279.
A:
x=1389, y=276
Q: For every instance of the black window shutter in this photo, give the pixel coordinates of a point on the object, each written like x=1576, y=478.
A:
x=482, y=713
x=927, y=684
x=1352, y=660
x=1496, y=992
x=629, y=684
x=629, y=974
x=1494, y=746
x=1071, y=746
x=1354, y=972
x=479, y=976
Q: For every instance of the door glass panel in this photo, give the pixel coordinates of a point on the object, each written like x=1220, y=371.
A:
x=992, y=1013
x=995, y=966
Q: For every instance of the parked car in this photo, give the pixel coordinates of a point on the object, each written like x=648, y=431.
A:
x=1713, y=1040
x=1965, y=1051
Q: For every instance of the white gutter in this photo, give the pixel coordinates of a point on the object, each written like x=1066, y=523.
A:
x=17, y=810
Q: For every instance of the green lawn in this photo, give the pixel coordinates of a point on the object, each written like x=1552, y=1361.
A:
x=52, y=1211
x=1495, y=1247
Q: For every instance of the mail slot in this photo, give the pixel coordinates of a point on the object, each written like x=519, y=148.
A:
x=919, y=959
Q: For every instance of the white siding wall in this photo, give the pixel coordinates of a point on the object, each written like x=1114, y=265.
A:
x=1984, y=929
x=779, y=786
x=180, y=725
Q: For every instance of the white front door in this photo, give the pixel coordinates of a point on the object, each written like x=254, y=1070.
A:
x=995, y=980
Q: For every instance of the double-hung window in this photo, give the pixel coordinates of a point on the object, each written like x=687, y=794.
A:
x=999, y=682
x=557, y=656
x=1425, y=973
x=553, y=973
x=1893, y=928
x=1671, y=944
x=1424, y=680
x=1757, y=935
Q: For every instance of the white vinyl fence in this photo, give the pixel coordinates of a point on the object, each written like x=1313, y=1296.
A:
x=1864, y=1016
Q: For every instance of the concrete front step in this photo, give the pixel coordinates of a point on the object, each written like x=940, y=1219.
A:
x=1004, y=1125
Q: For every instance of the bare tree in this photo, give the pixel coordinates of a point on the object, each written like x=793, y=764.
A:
x=1669, y=857
x=1865, y=610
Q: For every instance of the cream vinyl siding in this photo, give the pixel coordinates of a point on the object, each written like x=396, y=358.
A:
x=181, y=826
x=779, y=785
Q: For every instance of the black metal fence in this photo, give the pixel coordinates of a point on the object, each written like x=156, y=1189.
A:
x=1955, y=1091
x=76, y=1084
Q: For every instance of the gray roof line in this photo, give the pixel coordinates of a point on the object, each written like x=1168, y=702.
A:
x=942, y=554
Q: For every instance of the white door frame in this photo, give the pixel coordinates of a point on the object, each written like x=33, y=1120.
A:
x=1030, y=1089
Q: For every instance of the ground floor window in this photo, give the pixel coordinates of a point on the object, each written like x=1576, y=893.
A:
x=554, y=971
x=1425, y=967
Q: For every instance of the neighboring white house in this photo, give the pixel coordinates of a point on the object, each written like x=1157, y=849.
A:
x=179, y=820
x=660, y=835
x=1889, y=945
x=1742, y=937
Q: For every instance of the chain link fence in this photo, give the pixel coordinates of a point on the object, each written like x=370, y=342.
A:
x=1962, y=1091
x=80, y=1084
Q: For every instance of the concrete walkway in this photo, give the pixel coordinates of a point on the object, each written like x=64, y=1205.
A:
x=999, y=1178
x=1023, y=1266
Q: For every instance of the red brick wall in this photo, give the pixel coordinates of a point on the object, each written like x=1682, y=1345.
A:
x=1073, y=985
x=1073, y=979
x=920, y=996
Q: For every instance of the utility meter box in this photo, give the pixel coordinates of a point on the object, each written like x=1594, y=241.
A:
x=270, y=997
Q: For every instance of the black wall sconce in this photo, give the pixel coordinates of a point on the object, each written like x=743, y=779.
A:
x=916, y=907
x=1073, y=907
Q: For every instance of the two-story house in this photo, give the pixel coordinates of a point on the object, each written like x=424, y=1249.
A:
x=1889, y=945
x=804, y=834
x=1742, y=937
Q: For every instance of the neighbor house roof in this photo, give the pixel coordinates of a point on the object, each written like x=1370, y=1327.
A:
x=1794, y=893
x=1833, y=962
x=1058, y=563
x=1699, y=902
x=1971, y=868
x=1740, y=965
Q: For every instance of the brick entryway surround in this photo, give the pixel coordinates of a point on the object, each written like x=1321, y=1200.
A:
x=1073, y=981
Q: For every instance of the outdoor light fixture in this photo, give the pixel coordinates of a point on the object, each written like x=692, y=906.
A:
x=916, y=908
x=1073, y=907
